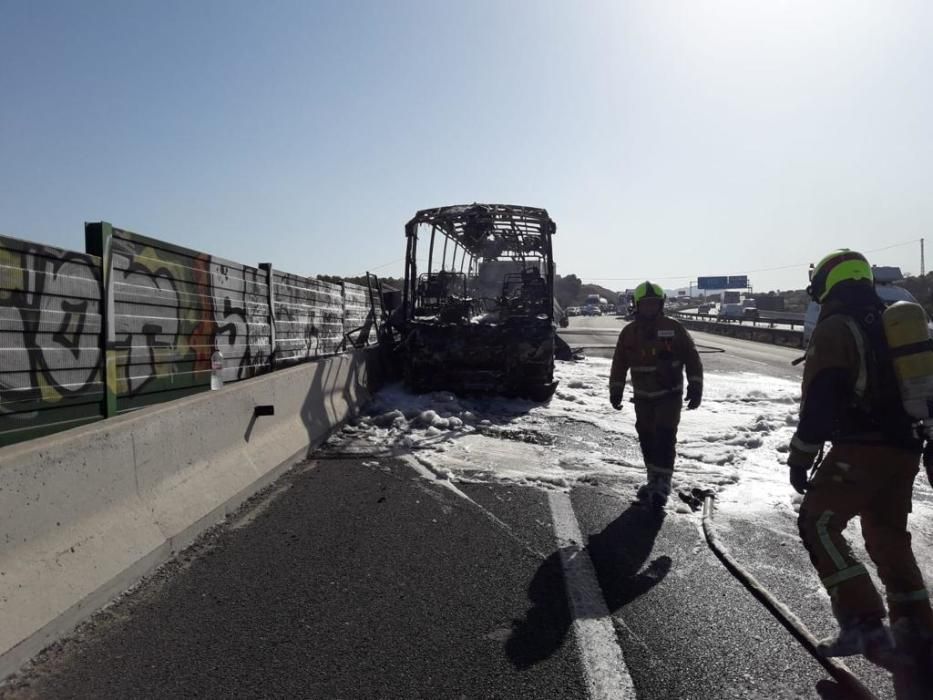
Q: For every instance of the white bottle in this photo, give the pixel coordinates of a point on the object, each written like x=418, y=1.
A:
x=217, y=368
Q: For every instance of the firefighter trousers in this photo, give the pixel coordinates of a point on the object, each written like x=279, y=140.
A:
x=656, y=423
x=874, y=482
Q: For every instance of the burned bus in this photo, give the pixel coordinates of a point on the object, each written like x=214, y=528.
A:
x=479, y=316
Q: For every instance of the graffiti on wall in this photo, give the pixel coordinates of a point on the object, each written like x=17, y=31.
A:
x=49, y=334
x=172, y=309
x=308, y=317
x=241, y=316
x=175, y=307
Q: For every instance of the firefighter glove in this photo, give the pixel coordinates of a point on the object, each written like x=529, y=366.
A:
x=615, y=398
x=800, y=458
x=798, y=478
x=694, y=396
x=800, y=463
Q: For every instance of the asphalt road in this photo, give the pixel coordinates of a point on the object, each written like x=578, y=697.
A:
x=355, y=581
x=358, y=580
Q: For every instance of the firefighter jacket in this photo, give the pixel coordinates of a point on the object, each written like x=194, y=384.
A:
x=849, y=392
x=657, y=352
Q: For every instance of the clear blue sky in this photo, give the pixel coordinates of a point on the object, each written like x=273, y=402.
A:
x=666, y=139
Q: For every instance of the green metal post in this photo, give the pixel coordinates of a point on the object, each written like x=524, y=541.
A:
x=98, y=240
x=270, y=299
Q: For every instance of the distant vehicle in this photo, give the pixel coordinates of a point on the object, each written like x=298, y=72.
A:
x=704, y=309
x=592, y=310
x=625, y=306
x=770, y=303
x=749, y=310
x=731, y=297
x=884, y=286
x=731, y=312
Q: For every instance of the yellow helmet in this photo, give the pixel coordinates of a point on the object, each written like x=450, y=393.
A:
x=647, y=290
x=842, y=265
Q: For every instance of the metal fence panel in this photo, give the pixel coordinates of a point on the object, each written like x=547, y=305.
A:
x=173, y=308
x=50, y=325
x=358, y=313
x=308, y=317
x=83, y=335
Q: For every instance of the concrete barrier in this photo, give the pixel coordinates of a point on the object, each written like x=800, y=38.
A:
x=85, y=513
x=761, y=334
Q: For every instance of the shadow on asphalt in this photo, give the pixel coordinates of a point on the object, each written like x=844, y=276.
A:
x=618, y=554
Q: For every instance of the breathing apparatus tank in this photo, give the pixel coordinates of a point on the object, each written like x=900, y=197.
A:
x=911, y=349
x=905, y=329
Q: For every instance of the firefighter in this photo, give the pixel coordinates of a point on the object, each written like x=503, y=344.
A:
x=657, y=350
x=850, y=398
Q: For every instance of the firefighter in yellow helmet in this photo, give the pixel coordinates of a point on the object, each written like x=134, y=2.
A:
x=657, y=350
x=850, y=398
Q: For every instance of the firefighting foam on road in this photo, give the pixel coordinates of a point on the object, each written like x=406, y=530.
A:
x=735, y=444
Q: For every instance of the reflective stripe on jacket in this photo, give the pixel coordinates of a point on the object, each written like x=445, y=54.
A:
x=656, y=352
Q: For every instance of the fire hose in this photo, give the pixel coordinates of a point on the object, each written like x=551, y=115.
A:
x=838, y=670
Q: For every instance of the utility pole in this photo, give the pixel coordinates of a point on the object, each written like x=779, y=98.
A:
x=923, y=270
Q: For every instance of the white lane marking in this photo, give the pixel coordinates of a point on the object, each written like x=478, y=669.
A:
x=606, y=675
x=424, y=469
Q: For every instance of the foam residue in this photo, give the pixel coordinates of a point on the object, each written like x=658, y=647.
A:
x=735, y=444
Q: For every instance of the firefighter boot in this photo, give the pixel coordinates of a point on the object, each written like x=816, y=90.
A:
x=661, y=489
x=913, y=637
x=656, y=491
x=915, y=651
x=870, y=638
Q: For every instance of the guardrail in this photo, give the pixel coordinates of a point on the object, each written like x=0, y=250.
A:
x=763, y=331
x=762, y=320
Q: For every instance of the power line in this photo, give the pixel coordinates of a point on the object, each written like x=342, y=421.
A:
x=379, y=267
x=895, y=245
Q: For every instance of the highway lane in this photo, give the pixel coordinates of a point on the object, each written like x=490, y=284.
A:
x=361, y=580
x=598, y=335
x=353, y=579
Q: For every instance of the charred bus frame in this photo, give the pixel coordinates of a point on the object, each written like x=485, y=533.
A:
x=490, y=259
